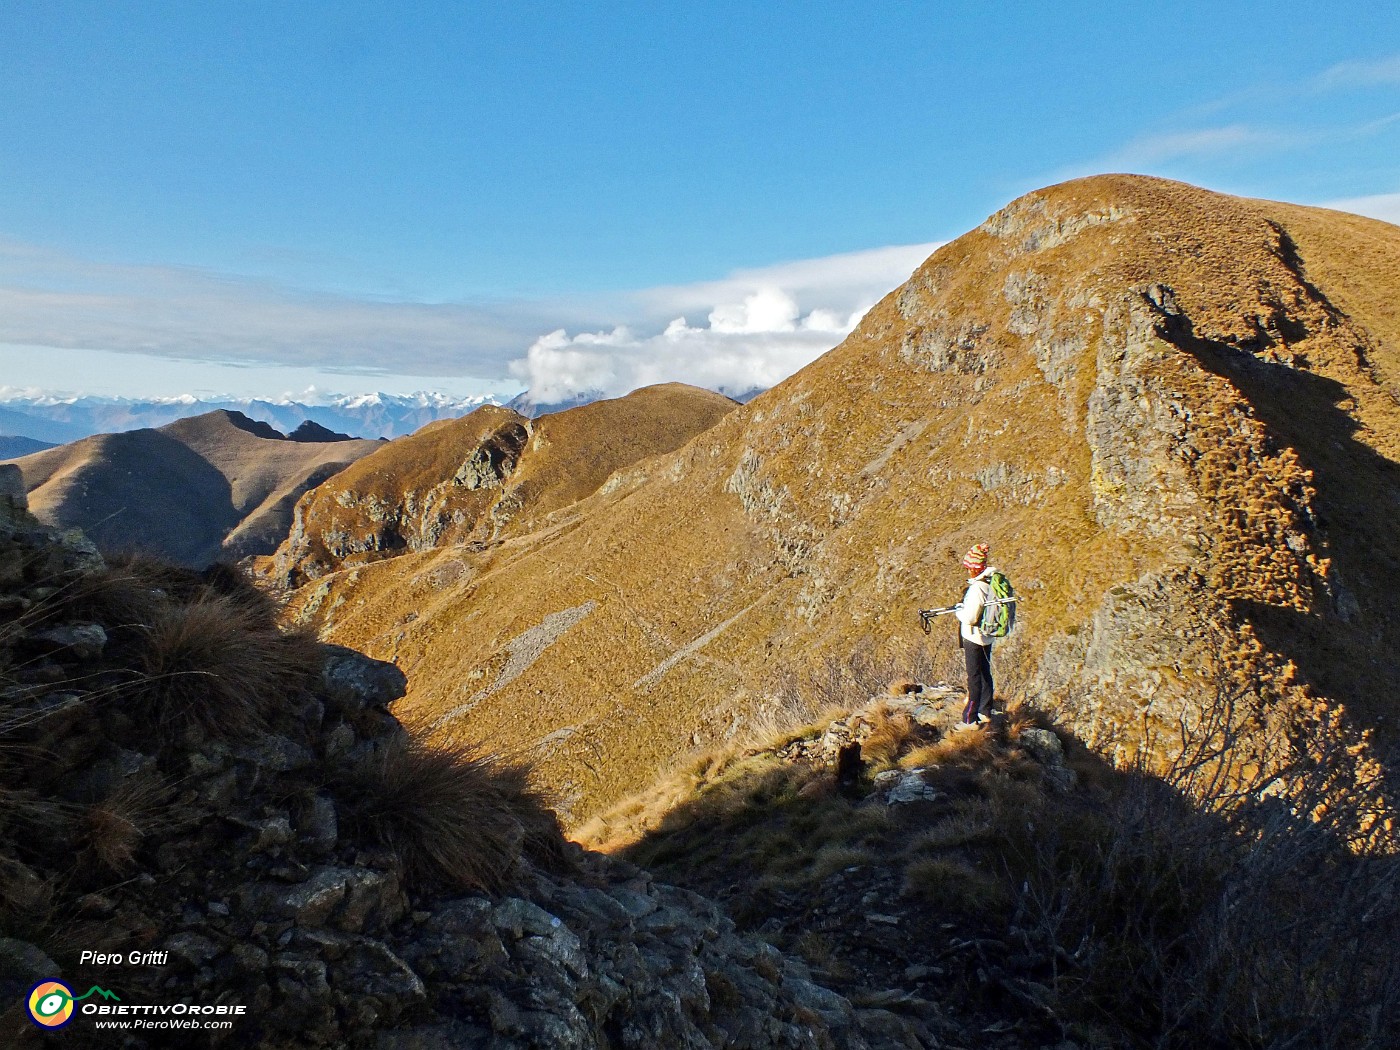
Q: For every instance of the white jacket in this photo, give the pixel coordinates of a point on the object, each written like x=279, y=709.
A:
x=979, y=592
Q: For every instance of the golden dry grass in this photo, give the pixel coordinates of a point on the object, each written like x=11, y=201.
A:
x=891, y=731
x=456, y=819
x=209, y=664
x=814, y=521
x=408, y=494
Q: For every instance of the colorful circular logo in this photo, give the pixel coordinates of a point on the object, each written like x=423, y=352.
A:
x=51, y=1004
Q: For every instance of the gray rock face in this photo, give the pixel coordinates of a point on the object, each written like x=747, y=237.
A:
x=344, y=898
x=12, y=492
x=1136, y=426
x=21, y=961
x=356, y=681
x=85, y=639
x=905, y=786
x=1050, y=753
x=1044, y=744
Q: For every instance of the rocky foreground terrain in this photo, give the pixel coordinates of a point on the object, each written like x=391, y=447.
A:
x=183, y=779
x=179, y=776
x=1005, y=886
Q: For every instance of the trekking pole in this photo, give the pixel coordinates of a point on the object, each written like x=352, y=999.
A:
x=927, y=616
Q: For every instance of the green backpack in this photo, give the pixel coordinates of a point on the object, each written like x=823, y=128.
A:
x=998, y=620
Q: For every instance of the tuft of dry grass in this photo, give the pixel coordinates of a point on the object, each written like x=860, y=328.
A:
x=233, y=584
x=211, y=666
x=954, y=885
x=1020, y=716
x=969, y=747
x=967, y=827
x=455, y=819
x=139, y=808
x=891, y=730
x=818, y=952
x=833, y=858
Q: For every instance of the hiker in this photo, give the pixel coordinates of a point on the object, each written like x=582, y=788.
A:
x=976, y=646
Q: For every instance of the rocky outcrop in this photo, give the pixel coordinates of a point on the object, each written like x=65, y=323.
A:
x=236, y=865
x=476, y=480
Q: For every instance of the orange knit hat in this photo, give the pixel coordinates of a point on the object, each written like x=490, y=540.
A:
x=976, y=557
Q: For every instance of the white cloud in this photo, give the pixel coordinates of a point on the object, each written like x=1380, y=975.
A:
x=558, y=365
x=1383, y=206
x=760, y=326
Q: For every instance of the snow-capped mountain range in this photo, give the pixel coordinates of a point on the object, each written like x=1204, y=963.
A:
x=56, y=420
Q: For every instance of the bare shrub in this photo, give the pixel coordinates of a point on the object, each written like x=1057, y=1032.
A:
x=1223, y=903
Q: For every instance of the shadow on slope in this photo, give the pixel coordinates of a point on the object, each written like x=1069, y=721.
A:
x=1347, y=644
x=181, y=512
x=180, y=777
x=1032, y=890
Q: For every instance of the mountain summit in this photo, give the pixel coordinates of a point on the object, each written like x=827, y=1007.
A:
x=1173, y=414
x=211, y=487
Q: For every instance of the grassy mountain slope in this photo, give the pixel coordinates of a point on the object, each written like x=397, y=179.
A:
x=491, y=473
x=197, y=490
x=182, y=779
x=1173, y=414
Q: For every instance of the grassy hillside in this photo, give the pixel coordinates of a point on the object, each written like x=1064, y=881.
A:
x=1173, y=414
x=212, y=487
x=233, y=804
x=490, y=474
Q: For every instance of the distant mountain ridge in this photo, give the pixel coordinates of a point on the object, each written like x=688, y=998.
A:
x=217, y=486
x=57, y=421
x=525, y=403
x=491, y=474
x=12, y=447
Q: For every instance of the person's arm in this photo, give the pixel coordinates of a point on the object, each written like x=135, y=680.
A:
x=970, y=608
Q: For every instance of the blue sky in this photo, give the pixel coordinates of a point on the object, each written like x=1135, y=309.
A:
x=237, y=197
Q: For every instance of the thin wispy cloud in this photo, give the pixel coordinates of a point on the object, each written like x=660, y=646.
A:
x=50, y=299
x=1383, y=206
x=1359, y=73
x=751, y=328
x=1193, y=143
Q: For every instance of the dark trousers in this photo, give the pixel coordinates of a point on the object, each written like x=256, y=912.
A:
x=979, y=680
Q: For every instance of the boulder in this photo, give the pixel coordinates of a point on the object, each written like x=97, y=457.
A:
x=356, y=681
x=83, y=641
